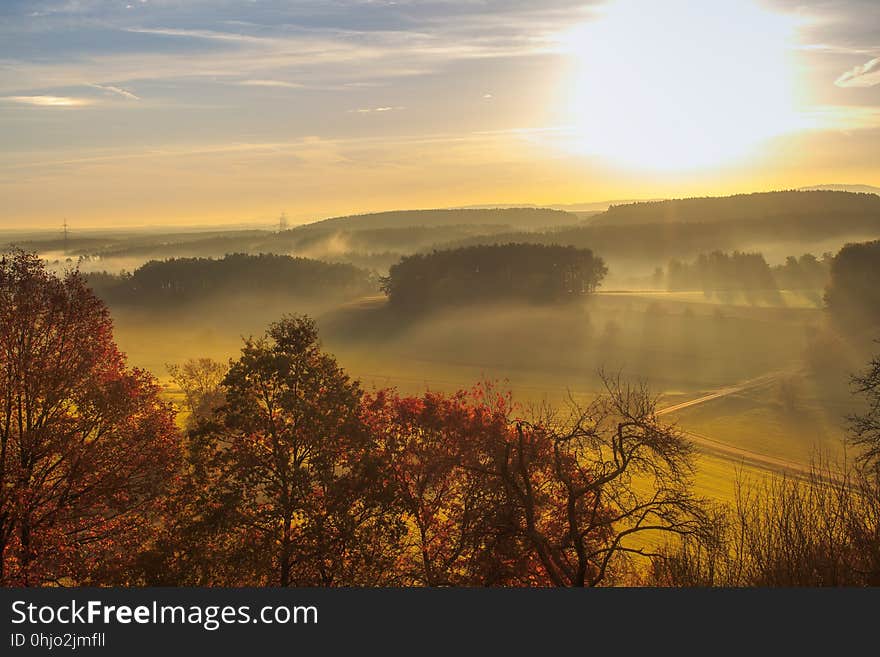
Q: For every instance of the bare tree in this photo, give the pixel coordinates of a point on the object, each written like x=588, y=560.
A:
x=821, y=529
x=865, y=428
x=597, y=488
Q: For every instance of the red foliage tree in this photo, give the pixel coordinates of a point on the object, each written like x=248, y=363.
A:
x=86, y=445
x=492, y=498
x=597, y=487
x=462, y=529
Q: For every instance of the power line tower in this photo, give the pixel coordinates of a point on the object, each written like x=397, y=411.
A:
x=282, y=222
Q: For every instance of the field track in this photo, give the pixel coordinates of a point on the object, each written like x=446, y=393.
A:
x=733, y=453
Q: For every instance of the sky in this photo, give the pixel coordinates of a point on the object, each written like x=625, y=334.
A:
x=185, y=112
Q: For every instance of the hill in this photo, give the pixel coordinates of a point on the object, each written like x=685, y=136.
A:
x=373, y=241
x=518, y=218
x=859, y=189
x=644, y=238
x=747, y=207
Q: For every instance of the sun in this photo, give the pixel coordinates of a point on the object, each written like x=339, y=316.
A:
x=678, y=85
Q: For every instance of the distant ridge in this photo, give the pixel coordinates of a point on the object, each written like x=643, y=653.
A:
x=744, y=207
x=859, y=189
x=522, y=218
x=587, y=206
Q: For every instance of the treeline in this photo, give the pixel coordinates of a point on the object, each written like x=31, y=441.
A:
x=853, y=294
x=659, y=243
x=721, y=271
x=643, y=234
x=805, y=273
x=290, y=474
x=656, y=241
x=766, y=206
x=737, y=271
x=518, y=218
x=346, y=241
x=181, y=280
x=527, y=272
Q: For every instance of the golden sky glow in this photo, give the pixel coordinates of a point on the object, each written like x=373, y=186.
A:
x=172, y=112
x=717, y=82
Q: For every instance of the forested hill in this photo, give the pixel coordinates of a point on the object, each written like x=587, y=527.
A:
x=745, y=207
x=184, y=280
x=486, y=274
x=518, y=218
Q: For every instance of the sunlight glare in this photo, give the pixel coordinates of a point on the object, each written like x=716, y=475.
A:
x=678, y=85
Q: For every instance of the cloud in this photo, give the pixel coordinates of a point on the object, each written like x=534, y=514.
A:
x=269, y=83
x=119, y=91
x=319, y=44
x=864, y=75
x=200, y=34
x=48, y=101
x=841, y=117
x=368, y=110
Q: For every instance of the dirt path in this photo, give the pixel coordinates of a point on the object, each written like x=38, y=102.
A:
x=757, y=382
x=730, y=452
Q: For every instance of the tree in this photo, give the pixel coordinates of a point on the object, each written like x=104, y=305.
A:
x=489, y=273
x=817, y=528
x=294, y=492
x=853, y=292
x=462, y=530
x=86, y=445
x=175, y=282
x=199, y=379
x=718, y=271
x=591, y=488
x=865, y=427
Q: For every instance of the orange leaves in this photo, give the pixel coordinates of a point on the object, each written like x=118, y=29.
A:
x=87, y=445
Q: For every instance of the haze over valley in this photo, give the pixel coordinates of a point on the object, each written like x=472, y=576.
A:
x=442, y=293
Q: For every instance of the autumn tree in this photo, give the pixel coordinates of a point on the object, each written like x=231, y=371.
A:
x=595, y=486
x=86, y=446
x=495, y=496
x=293, y=491
x=462, y=531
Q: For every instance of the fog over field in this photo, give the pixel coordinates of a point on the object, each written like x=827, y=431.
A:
x=446, y=293
x=684, y=338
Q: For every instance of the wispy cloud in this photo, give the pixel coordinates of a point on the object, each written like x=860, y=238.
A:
x=310, y=143
x=841, y=117
x=269, y=83
x=199, y=34
x=864, y=75
x=370, y=110
x=119, y=91
x=48, y=101
x=835, y=49
x=340, y=44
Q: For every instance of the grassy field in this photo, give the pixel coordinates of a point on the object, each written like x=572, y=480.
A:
x=684, y=345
